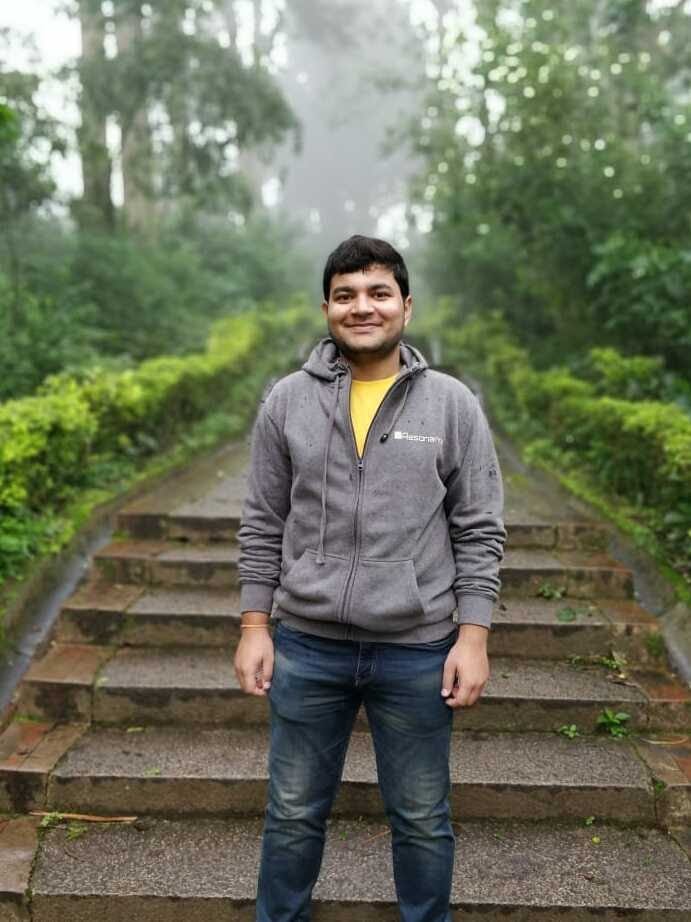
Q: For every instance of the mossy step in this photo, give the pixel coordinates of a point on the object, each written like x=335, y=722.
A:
x=212, y=521
x=178, y=771
x=577, y=573
x=171, y=685
x=205, y=870
x=100, y=612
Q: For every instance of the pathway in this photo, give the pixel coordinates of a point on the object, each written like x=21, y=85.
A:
x=132, y=709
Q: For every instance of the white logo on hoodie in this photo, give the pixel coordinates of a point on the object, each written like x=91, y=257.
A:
x=417, y=438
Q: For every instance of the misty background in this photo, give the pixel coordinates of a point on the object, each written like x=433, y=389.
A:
x=174, y=173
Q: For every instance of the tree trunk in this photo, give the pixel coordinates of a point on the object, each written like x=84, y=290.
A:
x=136, y=149
x=95, y=209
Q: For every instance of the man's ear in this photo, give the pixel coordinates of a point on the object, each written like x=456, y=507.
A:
x=408, y=308
x=325, y=308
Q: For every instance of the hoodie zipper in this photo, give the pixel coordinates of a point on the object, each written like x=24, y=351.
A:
x=360, y=462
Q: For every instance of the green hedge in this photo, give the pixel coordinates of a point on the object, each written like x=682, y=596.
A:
x=81, y=430
x=636, y=452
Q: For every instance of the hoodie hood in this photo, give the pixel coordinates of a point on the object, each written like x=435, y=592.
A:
x=326, y=360
x=327, y=363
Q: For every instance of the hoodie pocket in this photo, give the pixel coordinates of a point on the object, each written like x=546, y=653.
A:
x=312, y=590
x=385, y=595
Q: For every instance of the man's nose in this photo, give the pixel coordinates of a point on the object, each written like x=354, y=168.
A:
x=362, y=304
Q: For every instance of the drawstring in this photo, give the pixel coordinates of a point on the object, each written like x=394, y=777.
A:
x=320, y=559
x=322, y=524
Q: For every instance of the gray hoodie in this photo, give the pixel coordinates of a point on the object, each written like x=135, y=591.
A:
x=388, y=547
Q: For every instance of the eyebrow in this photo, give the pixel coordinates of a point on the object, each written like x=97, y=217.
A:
x=349, y=288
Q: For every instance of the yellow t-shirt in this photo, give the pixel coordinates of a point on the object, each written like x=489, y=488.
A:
x=365, y=397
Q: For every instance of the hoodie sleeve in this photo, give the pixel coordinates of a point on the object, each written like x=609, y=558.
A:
x=474, y=504
x=264, y=512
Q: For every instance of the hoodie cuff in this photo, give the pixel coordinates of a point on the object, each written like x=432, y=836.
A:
x=474, y=609
x=256, y=597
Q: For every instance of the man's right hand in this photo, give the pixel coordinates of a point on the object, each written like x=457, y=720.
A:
x=254, y=657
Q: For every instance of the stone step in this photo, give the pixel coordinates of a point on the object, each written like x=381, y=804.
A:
x=559, y=628
x=200, y=526
x=165, y=870
x=179, y=771
x=168, y=563
x=172, y=685
x=212, y=521
x=525, y=571
x=566, y=535
x=124, y=613
x=558, y=574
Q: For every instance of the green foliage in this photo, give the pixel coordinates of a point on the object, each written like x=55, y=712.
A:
x=9, y=127
x=638, y=452
x=189, y=107
x=114, y=300
x=659, y=786
x=170, y=68
x=557, y=175
x=640, y=291
x=83, y=431
x=655, y=643
x=39, y=336
x=28, y=141
x=613, y=723
x=636, y=377
x=548, y=590
x=614, y=660
x=52, y=818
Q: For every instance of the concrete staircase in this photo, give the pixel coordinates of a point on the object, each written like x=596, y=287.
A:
x=132, y=711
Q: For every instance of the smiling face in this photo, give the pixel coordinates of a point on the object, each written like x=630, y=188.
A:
x=366, y=314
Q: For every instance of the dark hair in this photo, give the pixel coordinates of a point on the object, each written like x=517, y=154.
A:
x=358, y=252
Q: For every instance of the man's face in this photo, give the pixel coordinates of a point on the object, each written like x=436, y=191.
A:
x=366, y=313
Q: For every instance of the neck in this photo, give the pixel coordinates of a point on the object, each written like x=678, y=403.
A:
x=373, y=367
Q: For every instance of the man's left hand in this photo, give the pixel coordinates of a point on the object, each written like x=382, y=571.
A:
x=466, y=669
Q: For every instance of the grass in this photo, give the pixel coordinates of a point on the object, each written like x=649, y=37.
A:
x=547, y=590
x=655, y=643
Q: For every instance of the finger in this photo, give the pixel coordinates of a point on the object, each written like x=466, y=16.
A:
x=256, y=687
x=268, y=669
x=248, y=680
x=448, y=677
x=464, y=695
x=241, y=673
x=459, y=694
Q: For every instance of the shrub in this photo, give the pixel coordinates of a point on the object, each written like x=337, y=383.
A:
x=77, y=430
x=637, y=450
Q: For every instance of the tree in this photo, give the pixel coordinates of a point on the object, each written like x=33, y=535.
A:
x=185, y=102
x=28, y=141
x=569, y=128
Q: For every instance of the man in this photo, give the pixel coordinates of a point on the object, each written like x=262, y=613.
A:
x=373, y=514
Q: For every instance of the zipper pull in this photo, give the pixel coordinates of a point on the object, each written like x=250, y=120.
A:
x=360, y=464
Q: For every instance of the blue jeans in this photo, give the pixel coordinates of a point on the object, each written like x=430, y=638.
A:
x=317, y=688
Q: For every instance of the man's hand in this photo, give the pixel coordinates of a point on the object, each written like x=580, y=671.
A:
x=254, y=657
x=466, y=669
